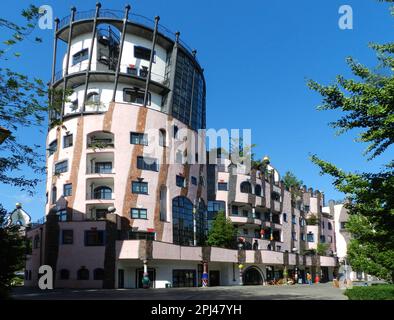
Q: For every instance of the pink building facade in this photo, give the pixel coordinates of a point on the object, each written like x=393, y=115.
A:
x=129, y=194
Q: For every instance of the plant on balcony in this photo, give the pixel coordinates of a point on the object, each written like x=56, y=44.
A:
x=322, y=249
x=292, y=182
x=100, y=144
x=222, y=232
x=312, y=220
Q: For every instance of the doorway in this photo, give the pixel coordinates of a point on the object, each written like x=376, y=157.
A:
x=214, y=278
x=252, y=276
x=120, y=278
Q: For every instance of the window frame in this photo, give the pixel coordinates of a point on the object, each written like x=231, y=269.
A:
x=71, y=235
x=100, y=238
x=69, y=188
x=142, y=138
x=69, y=138
x=80, y=56
x=139, y=211
x=144, y=56
x=63, y=166
x=221, y=185
x=136, y=91
x=140, y=191
x=142, y=165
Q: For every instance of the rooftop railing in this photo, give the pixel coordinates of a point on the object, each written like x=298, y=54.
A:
x=118, y=15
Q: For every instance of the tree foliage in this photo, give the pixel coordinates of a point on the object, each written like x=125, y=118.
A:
x=367, y=104
x=22, y=104
x=222, y=233
x=12, y=253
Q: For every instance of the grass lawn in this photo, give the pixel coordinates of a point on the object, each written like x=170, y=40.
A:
x=376, y=292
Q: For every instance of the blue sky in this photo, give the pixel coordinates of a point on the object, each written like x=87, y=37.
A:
x=257, y=56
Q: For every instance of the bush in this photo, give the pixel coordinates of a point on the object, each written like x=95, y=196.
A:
x=378, y=292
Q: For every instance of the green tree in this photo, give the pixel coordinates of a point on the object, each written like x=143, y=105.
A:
x=367, y=104
x=12, y=253
x=322, y=248
x=23, y=103
x=222, y=233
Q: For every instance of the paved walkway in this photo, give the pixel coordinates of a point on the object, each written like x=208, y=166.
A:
x=295, y=292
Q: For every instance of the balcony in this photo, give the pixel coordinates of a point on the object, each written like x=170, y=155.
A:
x=100, y=164
x=100, y=190
x=97, y=212
x=99, y=140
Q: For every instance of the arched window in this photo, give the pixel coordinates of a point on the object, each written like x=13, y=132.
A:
x=93, y=98
x=329, y=225
x=102, y=192
x=98, y=274
x=284, y=217
x=36, y=243
x=175, y=130
x=182, y=219
x=83, y=274
x=64, y=274
x=162, y=138
x=257, y=190
x=246, y=187
x=54, y=195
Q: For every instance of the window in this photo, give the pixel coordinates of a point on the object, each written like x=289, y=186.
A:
x=180, y=181
x=162, y=138
x=194, y=180
x=80, y=56
x=294, y=235
x=62, y=215
x=94, y=238
x=183, y=278
x=67, y=236
x=83, y=274
x=145, y=163
x=103, y=167
x=137, y=213
x=61, y=167
x=98, y=274
x=245, y=213
x=52, y=147
x=275, y=196
x=246, y=187
x=275, y=218
x=64, y=274
x=322, y=238
x=329, y=239
x=54, y=195
x=310, y=237
x=135, y=96
x=323, y=225
x=234, y=210
x=142, y=53
x=175, y=132
x=139, y=187
x=182, y=220
x=102, y=192
x=36, y=242
x=329, y=225
x=284, y=216
x=257, y=190
x=293, y=219
x=303, y=236
x=223, y=186
x=133, y=235
x=343, y=225
x=132, y=70
x=306, y=208
x=214, y=207
x=302, y=222
x=67, y=190
x=163, y=203
x=68, y=141
x=138, y=138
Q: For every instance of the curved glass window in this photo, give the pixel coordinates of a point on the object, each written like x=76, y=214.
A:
x=246, y=187
x=182, y=217
x=102, y=192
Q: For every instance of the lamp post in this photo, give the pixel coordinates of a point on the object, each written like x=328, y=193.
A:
x=240, y=265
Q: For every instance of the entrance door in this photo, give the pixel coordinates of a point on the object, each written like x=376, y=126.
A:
x=151, y=275
x=214, y=278
x=120, y=278
x=252, y=277
x=324, y=274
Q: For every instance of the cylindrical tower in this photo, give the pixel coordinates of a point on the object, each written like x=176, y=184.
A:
x=125, y=137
